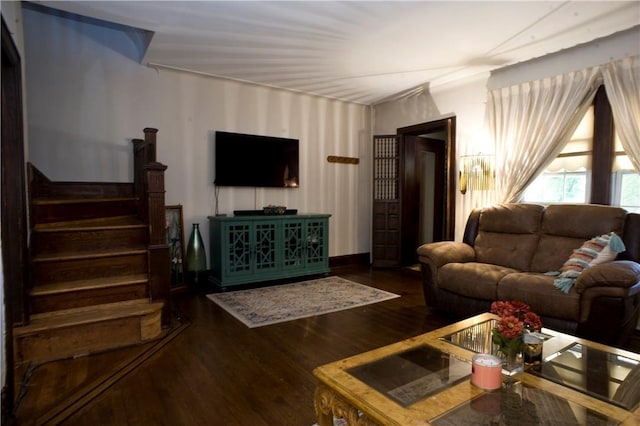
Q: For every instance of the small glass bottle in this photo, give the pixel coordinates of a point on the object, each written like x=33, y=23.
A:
x=196, y=256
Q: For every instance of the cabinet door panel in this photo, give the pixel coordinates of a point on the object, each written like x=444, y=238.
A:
x=237, y=248
x=316, y=244
x=294, y=244
x=386, y=206
x=266, y=258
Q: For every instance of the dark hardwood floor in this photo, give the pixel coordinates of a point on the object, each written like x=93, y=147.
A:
x=219, y=372
x=216, y=371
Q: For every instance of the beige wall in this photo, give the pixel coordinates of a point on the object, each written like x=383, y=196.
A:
x=87, y=98
x=466, y=100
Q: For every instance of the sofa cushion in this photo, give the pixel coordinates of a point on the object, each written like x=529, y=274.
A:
x=582, y=221
x=566, y=227
x=508, y=235
x=475, y=280
x=553, y=251
x=538, y=291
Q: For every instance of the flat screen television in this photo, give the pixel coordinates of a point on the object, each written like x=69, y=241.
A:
x=259, y=161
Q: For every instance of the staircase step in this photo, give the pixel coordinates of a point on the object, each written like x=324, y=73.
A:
x=84, y=255
x=91, y=235
x=63, y=209
x=54, y=268
x=100, y=222
x=75, y=294
x=80, y=331
x=46, y=243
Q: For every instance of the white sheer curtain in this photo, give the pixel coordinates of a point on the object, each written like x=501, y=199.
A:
x=531, y=122
x=622, y=83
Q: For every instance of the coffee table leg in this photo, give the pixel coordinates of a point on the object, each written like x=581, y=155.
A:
x=329, y=405
x=323, y=403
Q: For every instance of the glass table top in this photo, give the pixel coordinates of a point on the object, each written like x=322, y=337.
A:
x=604, y=375
x=410, y=376
x=519, y=404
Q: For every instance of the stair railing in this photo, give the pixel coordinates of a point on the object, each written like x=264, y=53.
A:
x=149, y=190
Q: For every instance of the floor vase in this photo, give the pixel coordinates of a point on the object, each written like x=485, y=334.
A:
x=196, y=256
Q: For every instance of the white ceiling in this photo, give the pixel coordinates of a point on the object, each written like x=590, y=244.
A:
x=357, y=51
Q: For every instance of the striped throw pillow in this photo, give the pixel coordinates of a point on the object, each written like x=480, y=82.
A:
x=602, y=248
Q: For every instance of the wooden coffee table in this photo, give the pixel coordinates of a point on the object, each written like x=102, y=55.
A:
x=425, y=380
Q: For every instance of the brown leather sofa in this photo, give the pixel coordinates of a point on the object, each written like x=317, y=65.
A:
x=508, y=248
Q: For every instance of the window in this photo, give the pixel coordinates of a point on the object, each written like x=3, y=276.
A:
x=627, y=190
x=591, y=168
x=558, y=187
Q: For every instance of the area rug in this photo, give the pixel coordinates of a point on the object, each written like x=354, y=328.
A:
x=271, y=305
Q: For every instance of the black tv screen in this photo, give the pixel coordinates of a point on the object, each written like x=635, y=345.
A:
x=260, y=161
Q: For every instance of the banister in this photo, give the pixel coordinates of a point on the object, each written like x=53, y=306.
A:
x=149, y=190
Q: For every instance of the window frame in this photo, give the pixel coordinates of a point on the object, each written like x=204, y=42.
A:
x=602, y=149
x=599, y=183
x=616, y=179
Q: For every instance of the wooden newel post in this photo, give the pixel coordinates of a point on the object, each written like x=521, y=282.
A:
x=150, y=142
x=139, y=154
x=159, y=265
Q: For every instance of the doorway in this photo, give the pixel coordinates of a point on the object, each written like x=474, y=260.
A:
x=428, y=185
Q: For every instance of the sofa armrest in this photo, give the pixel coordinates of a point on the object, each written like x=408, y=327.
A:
x=619, y=273
x=609, y=294
x=443, y=252
x=432, y=256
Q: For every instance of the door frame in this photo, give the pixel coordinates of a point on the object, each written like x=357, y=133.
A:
x=14, y=230
x=410, y=187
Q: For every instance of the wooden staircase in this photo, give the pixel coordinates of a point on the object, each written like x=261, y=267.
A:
x=97, y=275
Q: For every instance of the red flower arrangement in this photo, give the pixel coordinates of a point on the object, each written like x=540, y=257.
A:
x=519, y=315
x=515, y=318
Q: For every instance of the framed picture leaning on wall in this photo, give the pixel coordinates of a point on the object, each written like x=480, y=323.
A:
x=175, y=241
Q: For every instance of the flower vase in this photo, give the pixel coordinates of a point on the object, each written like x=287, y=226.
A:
x=510, y=351
x=515, y=319
x=196, y=256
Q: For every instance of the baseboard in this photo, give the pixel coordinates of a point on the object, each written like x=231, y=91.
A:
x=350, y=259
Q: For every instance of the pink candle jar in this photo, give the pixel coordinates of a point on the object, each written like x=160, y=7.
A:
x=486, y=371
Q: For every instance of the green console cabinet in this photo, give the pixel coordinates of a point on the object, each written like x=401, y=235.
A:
x=247, y=249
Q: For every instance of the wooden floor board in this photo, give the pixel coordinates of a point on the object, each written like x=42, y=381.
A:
x=219, y=372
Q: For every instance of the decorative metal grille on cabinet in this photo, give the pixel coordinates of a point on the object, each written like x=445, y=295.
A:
x=385, y=168
x=315, y=239
x=265, y=246
x=239, y=245
x=293, y=244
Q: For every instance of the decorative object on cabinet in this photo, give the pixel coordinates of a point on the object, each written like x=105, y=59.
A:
x=246, y=249
x=196, y=255
x=343, y=160
x=274, y=209
x=386, y=201
x=175, y=241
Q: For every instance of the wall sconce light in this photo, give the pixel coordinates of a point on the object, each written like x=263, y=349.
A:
x=476, y=173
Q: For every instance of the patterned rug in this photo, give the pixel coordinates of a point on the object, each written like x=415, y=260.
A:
x=270, y=305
